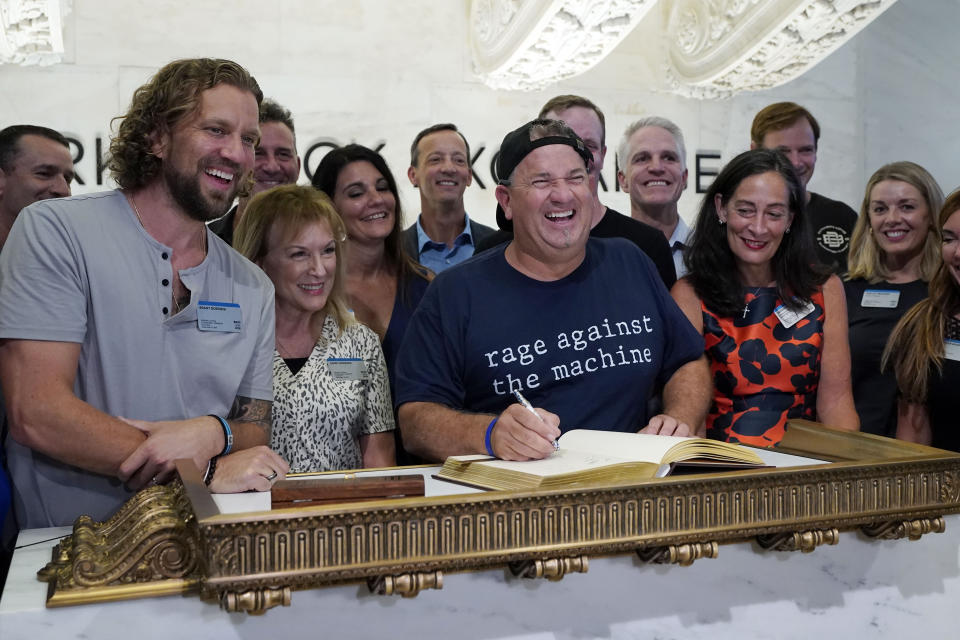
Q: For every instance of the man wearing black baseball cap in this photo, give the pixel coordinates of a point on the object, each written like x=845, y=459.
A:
x=582, y=327
x=587, y=120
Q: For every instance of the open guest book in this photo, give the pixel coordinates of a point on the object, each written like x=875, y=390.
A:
x=590, y=457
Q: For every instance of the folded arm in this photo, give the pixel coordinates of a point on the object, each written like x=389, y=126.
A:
x=199, y=438
x=46, y=416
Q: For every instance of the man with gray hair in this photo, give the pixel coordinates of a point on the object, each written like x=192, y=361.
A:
x=653, y=171
x=539, y=316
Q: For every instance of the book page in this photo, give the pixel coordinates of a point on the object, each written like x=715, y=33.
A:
x=562, y=461
x=642, y=447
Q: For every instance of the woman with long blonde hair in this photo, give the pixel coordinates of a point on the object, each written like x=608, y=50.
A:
x=924, y=348
x=894, y=252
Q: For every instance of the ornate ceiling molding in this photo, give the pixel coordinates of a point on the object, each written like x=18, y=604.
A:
x=711, y=48
x=531, y=44
x=31, y=31
x=718, y=48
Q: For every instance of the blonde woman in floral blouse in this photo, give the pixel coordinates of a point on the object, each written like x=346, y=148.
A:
x=331, y=407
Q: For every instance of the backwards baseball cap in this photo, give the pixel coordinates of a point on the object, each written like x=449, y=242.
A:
x=519, y=143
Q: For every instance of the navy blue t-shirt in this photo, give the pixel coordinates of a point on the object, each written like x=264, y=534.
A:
x=405, y=302
x=591, y=347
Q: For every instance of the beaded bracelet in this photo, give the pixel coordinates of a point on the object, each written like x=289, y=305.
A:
x=211, y=469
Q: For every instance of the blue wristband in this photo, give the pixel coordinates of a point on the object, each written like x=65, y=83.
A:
x=486, y=438
x=227, y=434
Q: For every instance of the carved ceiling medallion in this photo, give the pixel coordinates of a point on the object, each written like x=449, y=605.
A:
x=530, y=45
x=722, y=47
x=710, y=48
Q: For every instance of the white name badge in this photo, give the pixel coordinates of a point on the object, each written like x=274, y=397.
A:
x=951, y=349
x=880, y=299
x=347, y=368
x=789, y=317
x=219, y=316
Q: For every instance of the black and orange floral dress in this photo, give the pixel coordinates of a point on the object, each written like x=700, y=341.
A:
x=763, y=373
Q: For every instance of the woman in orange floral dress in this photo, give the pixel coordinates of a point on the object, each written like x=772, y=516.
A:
x=775, y=326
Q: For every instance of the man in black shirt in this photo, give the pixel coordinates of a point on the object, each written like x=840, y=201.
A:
x=588, y=122
x=791, y=129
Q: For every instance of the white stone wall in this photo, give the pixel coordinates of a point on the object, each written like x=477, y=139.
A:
x=377, y=71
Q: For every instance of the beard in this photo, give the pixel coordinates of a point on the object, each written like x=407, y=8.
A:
x=186, y=192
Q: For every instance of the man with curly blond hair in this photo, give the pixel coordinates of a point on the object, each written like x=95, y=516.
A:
x=131, y=336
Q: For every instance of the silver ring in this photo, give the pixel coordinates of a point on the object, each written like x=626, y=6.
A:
x=272, y=476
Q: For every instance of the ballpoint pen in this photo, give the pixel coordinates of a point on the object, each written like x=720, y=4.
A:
x=529, y=407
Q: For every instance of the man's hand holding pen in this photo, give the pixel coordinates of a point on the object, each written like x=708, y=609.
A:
x=520, y=434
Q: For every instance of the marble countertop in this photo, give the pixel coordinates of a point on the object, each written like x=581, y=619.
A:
x=860, y=588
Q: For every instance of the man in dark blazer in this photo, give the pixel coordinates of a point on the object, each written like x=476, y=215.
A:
x=444, y=235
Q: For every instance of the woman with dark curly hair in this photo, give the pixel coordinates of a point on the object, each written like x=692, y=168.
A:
x=775, y=326
x=924, y=348
x=384, y=286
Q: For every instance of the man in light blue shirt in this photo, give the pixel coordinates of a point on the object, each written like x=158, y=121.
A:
x=443, y=235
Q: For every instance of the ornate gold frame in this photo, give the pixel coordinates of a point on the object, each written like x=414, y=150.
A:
x=173, y=539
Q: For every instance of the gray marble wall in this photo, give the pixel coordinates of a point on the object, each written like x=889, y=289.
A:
x=376, y=71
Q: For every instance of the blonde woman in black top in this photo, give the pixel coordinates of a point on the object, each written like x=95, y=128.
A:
x=894, y=252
